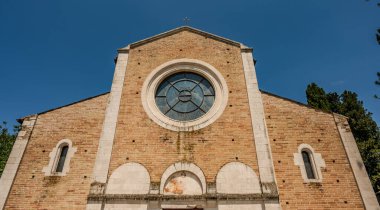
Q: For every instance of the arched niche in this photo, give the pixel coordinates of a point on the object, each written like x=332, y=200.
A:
x=129, y=178
x=183, y=179
x=237, y=178
x=183, y=183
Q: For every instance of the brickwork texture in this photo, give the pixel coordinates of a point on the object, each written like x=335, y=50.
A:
x=230, y=138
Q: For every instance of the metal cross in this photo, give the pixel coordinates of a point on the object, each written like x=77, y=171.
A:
x=186, y=20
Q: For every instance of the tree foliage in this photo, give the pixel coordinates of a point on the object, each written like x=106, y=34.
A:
x=377, y=82
x=364, y=128
x=6, y=143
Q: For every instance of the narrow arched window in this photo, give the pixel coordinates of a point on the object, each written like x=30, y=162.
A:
x=62, y=158
x=308, y=165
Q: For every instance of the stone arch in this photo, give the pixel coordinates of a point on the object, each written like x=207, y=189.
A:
x=129, y=178
x=184, y=65
x=191, y=177
x=237, y=178
x=50, y=169
x=317, y=163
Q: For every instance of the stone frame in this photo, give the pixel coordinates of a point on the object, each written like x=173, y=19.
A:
x=202, y=68
x=54, y=158
x=316, y=160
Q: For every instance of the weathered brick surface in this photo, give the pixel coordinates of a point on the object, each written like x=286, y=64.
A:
x=81, y=123
x=210, y=148
x=229, y=138
x=289, y=125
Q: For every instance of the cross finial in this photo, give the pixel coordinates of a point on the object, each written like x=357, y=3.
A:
x=186, y=20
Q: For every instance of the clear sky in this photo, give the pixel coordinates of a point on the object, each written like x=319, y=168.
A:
x=56, y=52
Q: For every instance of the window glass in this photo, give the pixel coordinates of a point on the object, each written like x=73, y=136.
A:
x=308, y=165
x=62, y=158
x=185, y=96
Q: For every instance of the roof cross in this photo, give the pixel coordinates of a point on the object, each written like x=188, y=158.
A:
x=186, y=20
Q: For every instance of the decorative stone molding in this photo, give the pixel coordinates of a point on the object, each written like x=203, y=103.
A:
x=259, y=128
x=183, y=167
x=97, y=188
x=54, y=155
x=180, y=29
x=184, y=65
x=316, y=160
x=256, y=197
x=15, y=157
x=130, y=178
x=237, y=178
x=154, y=188
x=211, y=187
x=361, y=176
x=103, y=156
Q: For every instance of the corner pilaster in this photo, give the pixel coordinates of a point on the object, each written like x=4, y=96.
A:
x=14, y=159
x=362, y=180
x=261, y=139
x=104, y=153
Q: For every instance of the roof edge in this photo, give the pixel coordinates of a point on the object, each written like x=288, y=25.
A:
x=20, y=120
x=179, y=29
x=300, y=103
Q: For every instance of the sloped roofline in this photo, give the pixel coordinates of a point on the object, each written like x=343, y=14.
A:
x=300, y=103
x=20, y=120
x=180, y=29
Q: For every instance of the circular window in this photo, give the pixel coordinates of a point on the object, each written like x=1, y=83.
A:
x=185, y=96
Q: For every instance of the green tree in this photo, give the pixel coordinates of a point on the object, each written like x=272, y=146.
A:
x=6, y=143
x=377, y=82
x=316, y=97
x=364, y=128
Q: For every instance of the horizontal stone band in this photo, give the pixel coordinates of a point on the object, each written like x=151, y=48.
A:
x=214, y=196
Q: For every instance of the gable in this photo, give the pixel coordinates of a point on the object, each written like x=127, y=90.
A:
x=272, y=100
x=181, y=29
x=103, y=96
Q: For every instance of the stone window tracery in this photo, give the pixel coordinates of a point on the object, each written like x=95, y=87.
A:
x=184, y=94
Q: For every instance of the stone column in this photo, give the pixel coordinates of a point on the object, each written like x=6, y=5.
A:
x=261, y=139
x=356, y=162
x=15, y=157
x=104, y=153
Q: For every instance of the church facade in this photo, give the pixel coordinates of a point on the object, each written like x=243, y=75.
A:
x=185, y=126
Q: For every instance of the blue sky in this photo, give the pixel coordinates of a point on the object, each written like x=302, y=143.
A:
x=56, y=52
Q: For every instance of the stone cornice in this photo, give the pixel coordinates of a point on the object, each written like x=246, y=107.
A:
x=155, y=197
x=180, y=29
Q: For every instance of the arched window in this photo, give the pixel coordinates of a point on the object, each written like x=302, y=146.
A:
x=307, y=160
x=62, y=158
x=310, y=163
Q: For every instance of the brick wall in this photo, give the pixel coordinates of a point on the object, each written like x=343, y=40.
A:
x=229, y=138
x=289, y=125
x=139, y=139
x=81, y=123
